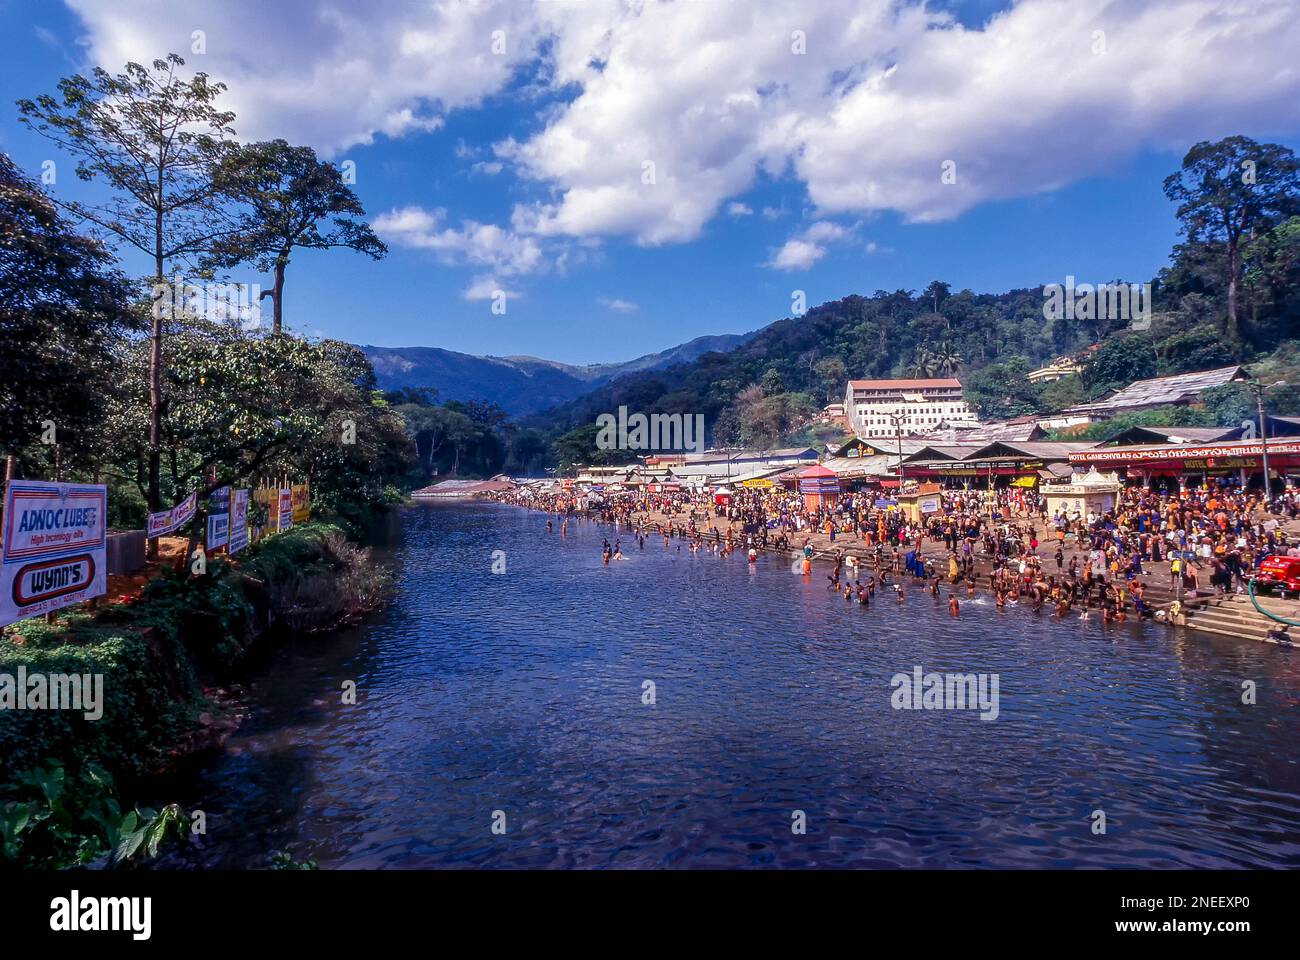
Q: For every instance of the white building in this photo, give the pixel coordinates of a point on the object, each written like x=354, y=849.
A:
x=922, y=406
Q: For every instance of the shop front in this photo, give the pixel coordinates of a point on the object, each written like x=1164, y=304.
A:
x=1174, y=466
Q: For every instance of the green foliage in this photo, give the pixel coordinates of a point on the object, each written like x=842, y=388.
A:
x=1118, y=362
x=283, y=860
x=155, y=139
x=287, y=199
x=1002, y=390
x=454, y=438
x=1228, y=191
x=150, y=696
x=1170, y=416
x=52, y=819
x=61, y=304
x=250, y=407
x=143, y=831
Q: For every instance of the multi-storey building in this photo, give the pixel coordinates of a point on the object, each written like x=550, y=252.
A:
x=887, y=408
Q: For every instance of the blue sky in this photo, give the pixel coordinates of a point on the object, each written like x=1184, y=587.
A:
x=521, y=167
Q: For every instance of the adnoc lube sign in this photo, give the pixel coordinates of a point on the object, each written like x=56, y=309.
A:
x=52, y=551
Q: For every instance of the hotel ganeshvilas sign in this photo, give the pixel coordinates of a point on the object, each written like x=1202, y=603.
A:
x=1165, y=454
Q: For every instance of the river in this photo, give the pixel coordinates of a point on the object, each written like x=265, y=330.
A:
x=517, y=699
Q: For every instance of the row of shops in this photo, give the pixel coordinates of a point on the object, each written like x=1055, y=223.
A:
x=1183, y=459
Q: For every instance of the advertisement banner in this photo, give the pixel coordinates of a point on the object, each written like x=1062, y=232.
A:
x=301, y=502
x=169, y=520
x=52, y=550
x=238, y=521
x=286, y=509
x=218, y=518
x=266, y=519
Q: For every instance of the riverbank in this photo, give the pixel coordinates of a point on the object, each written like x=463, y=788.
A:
x=164, y=661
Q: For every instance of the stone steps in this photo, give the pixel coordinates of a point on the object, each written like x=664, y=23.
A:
x=1233, y=615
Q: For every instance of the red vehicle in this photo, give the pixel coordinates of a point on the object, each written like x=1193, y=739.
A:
x=1280, y=572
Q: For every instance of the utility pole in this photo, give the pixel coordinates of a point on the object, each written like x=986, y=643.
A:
x=897, y=420
x=1263, y=441
x=1258, y=389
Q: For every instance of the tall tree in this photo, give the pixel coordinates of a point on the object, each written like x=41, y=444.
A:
x=1229, y=191
x=156, y=139
x=935, y=292
x=291, y=199
x=61, y=303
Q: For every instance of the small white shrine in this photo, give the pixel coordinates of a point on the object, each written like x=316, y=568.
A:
x=1092, y=493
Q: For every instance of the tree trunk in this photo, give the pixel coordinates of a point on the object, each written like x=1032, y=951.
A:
x=1233, y=330
x=277, y=324
x=155, y=387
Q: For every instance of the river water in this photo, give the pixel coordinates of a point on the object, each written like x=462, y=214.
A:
x=516, y=699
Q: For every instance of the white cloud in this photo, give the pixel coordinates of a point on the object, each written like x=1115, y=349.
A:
x=738, y=209
x=713, y=95
x=326, y=74
x=481, y=244
x=488, y=287
x=622, y=306
x=797, y=255
x=804, y=249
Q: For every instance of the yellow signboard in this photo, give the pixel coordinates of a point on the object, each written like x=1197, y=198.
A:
x=762, y=483
x=301, y=502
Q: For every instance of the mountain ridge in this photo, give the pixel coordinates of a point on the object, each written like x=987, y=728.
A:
x=522, y=384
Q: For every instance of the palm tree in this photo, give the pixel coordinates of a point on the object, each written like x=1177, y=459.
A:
x=946, y=360
x=923, y=363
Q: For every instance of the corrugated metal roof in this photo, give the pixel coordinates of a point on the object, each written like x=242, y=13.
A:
x=944, y=452
x=1145, y=434
x=1034, y=449
x=1162, y=390
x=861, y=466
x=989, y=432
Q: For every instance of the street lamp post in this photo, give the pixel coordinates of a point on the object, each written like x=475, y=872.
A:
x=897, y=420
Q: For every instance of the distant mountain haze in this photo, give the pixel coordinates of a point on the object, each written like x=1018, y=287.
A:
x=522, y=385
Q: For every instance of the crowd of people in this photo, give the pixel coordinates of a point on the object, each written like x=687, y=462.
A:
x=1213, y=538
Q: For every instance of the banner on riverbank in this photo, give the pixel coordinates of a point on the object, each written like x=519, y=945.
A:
x=238, y=521
x=161, y=524
x=52, y=550
x=286, y=509
x=218, y=518
x=267, y=519
x=301, y=502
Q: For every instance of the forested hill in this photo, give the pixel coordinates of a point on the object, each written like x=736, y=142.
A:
x=1231, y=294
x=795, y=365
x=519, y=385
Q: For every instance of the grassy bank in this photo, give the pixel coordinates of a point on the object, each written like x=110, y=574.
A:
x=156, y=656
